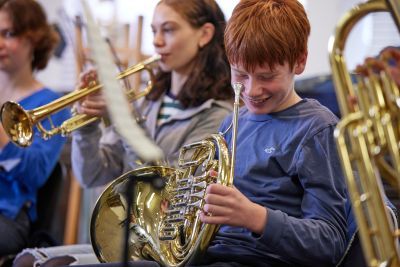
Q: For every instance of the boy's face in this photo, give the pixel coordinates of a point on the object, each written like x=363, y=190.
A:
x=267, y=91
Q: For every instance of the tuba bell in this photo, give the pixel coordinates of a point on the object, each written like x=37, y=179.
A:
x=164, y=223
x=19, y=123
x=367, y=137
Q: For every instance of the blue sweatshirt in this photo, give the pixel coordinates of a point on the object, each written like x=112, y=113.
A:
x=24, y=170
x=288, y=163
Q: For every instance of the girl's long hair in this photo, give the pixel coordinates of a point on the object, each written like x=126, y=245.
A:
x=210, y=76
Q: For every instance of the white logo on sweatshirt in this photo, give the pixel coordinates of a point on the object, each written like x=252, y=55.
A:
x=269, y=150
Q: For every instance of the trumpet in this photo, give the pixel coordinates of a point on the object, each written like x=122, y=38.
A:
x=19, y=123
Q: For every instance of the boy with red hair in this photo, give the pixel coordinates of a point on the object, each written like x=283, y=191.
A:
x=288, y=206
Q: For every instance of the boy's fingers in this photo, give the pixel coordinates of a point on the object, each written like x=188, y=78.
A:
x=217, y=189
x=216, y=210
x=206, y=218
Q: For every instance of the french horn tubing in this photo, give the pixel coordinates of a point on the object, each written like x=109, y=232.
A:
x=164, y=224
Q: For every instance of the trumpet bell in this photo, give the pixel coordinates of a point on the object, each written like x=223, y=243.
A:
x=17, y=123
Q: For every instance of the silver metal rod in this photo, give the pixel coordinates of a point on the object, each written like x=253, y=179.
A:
x=237, y=87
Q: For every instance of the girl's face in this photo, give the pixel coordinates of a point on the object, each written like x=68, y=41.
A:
x=174, y=39
x=15, y=51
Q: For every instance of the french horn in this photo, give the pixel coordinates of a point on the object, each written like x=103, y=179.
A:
x=164, y=222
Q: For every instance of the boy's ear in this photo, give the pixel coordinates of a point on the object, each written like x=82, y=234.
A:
x=207, y=33
x=301, y=63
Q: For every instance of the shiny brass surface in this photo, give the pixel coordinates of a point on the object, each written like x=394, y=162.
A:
x=165, y=225
x=19, y=123
x=367, y=137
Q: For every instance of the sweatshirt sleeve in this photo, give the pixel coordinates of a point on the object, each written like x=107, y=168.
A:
x=97, y=155
x=320, y=234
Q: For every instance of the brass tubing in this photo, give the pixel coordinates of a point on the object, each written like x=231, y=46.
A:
x=340, y=75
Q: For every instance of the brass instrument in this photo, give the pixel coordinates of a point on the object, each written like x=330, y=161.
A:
x=19, y=123
x=164, y=224
x=367, y=137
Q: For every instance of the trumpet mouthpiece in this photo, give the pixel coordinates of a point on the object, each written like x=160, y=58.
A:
x=152, y=59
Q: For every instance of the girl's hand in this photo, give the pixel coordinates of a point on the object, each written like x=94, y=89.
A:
x=93, y=104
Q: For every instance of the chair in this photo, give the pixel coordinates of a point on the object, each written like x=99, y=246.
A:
x=48, y=229
x=354, y=255
x=320, y=88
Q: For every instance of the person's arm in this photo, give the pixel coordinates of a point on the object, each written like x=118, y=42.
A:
x=33, y=164
x=320, y=235
x=97, y=156
x=227, y=205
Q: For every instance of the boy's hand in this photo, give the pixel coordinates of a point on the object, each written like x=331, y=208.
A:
x=227, y=205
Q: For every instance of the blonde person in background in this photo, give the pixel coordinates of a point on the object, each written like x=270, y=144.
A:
x=191, y=96
x=26, y=44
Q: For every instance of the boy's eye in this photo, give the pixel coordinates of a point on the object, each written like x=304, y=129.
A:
x=241, y=75
x=266, y=77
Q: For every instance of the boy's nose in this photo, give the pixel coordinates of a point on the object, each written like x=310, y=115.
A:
x=252, y=88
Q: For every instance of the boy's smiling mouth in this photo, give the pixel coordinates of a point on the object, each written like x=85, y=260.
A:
x=258, y=100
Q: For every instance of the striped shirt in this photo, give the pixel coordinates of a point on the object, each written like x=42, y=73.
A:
x=170, y=106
